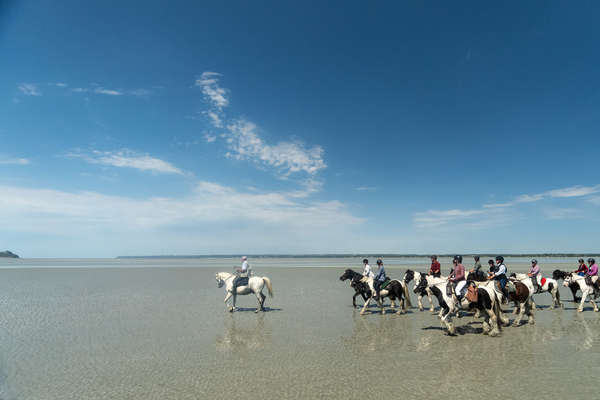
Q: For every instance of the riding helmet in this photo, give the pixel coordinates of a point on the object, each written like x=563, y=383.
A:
x=379, y=262
x=591, y=261
x=365, y=261
x=458, y=258
x=581, y=260
x=500, y=258
x=534, y=261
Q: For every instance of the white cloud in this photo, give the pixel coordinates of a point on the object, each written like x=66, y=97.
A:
x=29, y=89
x=128, y=159
x=572, y=191
x=215, y=119
x=58, y=212
x=80, y=90
x=209, y=138
x=560, y=213
x=436, y=218
x=140, y=92
x=109, y=92
x=289, y=157
x=366, y=188
x=215, y=95
x=61, y=84
x=14, y=161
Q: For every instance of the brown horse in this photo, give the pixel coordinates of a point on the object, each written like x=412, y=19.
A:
x=521, y=295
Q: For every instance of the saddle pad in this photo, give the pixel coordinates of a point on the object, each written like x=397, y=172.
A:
x=543, y=280
x=385, y=284
x=242, y=282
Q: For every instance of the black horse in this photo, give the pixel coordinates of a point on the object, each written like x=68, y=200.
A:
x=558, y=274
x=360, y=288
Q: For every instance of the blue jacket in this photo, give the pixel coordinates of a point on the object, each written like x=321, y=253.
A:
x=380, y=274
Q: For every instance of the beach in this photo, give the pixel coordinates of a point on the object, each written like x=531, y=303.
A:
x=158, y=329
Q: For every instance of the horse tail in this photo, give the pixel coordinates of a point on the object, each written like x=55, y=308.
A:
x=269, y=287
x=406, y=294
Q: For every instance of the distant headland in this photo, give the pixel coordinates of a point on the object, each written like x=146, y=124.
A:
x=8, y=254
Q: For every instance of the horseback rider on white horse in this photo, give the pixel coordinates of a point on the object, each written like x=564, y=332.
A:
x=244, y=272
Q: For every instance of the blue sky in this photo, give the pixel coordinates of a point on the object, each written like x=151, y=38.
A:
x=279, y=127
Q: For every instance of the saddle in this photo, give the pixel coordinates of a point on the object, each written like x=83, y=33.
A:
x=385, y=283
x=242, y=281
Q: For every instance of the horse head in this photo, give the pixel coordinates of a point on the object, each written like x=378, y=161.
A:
x=220, y=279
x=348, y=274
x=558, y=274
x=568, y=278
x=409, y=275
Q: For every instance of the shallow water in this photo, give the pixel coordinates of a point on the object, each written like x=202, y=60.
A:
x=163, y=332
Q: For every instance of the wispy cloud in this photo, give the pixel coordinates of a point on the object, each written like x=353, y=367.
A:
x=109, y=92
x=29, y=89
x=498, y=212
x=128, y=159
x=60, y=211
x=214, y=94
x=572, y=191
x=244, y=143
x=215, y=119
x=209, y=138
x=140, y=92
x=14, y=161
x=59, y=84
x=80, y=90
x=366, y=188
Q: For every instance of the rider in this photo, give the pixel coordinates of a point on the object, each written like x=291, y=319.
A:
x=435, y=269
x=379, y=278
x=533, y=274
x=457, y=277
x=493, y=267
x=367, y=273
x=582, y=269
x=500, y=275
x=243, y=272
x=477, y=267
x=592, y=273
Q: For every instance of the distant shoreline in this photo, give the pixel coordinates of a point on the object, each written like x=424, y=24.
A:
x=483, y=255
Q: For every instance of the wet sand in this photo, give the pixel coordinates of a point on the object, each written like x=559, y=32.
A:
x=164, y=333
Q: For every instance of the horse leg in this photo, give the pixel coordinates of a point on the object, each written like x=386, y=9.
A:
x=262, y=301
x=431, y=308
x=491, y=315
x=227, y=297
x=354, y=300
x=594, y=304
x=517, y=320
x=420, y=302
x=532, y=304
x=531, y=311
x=584, y=294
x=574, y=290
x=362, y=312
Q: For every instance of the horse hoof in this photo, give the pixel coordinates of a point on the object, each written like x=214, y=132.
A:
x=494, y=334
x=580, y=310
x=256, y=311
x=230, y=309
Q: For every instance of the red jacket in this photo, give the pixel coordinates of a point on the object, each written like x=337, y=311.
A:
x=435, y=268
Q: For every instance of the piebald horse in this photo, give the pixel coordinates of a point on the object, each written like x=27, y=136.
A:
x=557, y=274
x=394, y=290
x=586, y=289
x=360, y=287
x=255, y=285
x=549, y=285
x=438, y=289
x=488, y=305
x=410, y=275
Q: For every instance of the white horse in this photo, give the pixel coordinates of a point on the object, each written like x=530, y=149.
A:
x=585, y=289
x=546, y=285
x=255, y=285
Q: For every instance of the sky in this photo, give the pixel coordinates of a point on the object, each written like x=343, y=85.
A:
x=298, y=127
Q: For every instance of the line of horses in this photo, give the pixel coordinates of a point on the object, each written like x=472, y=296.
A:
x=484, y=300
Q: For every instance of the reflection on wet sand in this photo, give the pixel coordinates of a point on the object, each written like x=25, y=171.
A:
x=246, y=335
